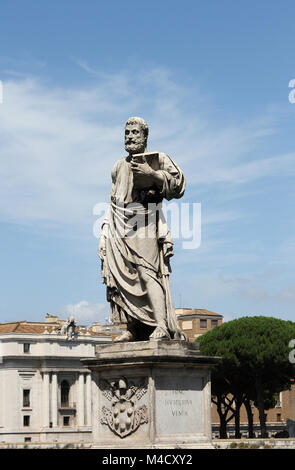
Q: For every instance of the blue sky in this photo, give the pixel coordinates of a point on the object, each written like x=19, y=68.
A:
x=211, y=79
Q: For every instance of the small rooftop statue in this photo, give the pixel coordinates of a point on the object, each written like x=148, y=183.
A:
x=136, y=256
x=68, y=328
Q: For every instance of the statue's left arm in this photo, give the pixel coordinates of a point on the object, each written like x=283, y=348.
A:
x=173, y=181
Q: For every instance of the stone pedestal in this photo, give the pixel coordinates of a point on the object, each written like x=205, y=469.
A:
x=151, y=394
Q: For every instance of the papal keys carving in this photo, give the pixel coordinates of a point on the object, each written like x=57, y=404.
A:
x=125, y=414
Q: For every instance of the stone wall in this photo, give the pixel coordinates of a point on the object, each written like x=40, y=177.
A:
x=46, y=445
x=218, y=444
x=287, y=443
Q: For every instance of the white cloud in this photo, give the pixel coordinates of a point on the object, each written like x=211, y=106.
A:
x=89, y=312
x=58, y=144
x=251, y=287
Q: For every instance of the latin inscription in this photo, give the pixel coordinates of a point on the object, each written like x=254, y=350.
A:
x=178, y=405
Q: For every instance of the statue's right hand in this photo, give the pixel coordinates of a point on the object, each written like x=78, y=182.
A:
x=102, y=247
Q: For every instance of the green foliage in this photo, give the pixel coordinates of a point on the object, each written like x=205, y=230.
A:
x=254, y=362
x=243, y=445
x=233, y=445
x=251, y=346
x=257, y=339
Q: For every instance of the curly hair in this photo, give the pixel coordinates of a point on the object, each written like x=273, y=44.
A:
x=141, y=122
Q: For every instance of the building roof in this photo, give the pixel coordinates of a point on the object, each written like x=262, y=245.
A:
x=38, y=328
x=196, y=311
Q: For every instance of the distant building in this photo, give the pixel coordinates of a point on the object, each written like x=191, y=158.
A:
x=197, y=321
x=280, y=419
x=45, y=391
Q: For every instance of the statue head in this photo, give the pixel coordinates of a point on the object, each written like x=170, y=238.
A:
x=136, y=134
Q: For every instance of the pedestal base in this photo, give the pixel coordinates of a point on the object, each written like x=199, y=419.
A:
x=151, y=394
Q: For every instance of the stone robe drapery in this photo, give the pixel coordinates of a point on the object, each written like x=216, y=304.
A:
x=148, y=245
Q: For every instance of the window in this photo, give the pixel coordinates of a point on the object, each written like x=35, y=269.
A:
x=187, y=325
x=66, y=421
x=26, y=420
x=26, y=347
x=214, y=323
x=203, y=323
x=279, y=417
x=65, y=390
x=26, y=397
x=28, y=439
x=279, y=400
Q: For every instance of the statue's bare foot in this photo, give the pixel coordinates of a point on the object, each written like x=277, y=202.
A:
x=125, y=337
x=160, y=332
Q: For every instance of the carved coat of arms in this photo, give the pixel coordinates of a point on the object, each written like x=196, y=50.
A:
x=123, y=416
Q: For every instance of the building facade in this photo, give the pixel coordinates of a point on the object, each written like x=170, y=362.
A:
x=45, y=391
x=280, y=420
x=196, y=322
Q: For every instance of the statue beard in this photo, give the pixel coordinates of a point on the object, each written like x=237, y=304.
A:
x=135, y=147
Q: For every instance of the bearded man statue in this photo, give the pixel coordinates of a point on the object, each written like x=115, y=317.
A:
x=135, y=257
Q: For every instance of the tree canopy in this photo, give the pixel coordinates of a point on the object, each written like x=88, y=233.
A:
x=255, y=358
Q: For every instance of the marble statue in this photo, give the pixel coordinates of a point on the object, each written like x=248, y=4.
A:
x=135, y=257
x=68, y=328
